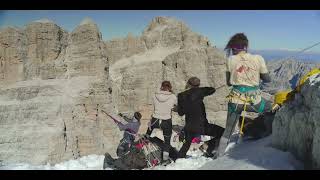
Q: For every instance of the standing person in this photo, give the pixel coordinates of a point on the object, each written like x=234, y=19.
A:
x=190, y=104
x=244, y=72
x=164, y=102
x=130, y=130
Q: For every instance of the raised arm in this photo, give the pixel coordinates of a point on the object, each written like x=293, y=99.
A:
x=124, y=117
x=122, y=127
x=207, y=91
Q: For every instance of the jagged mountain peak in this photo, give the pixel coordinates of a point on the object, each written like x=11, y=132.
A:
x=87, y=20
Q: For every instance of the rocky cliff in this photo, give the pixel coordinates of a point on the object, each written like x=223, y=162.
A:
x=46, y=44
x=55, y=83
x=12, y=54
x=167, y=50
x=296, y=127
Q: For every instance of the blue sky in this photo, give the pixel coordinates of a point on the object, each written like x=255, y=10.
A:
x=267, y=29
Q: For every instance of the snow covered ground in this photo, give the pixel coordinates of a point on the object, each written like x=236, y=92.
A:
x=254, y=155
x=249, y=155
x=91, y=162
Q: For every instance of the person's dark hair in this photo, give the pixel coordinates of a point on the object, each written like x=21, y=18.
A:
x=138, y=116
x=166, y=86
x=193, y=82
x=238, y=42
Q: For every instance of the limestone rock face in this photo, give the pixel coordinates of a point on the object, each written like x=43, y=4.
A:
x=208, y=65
x=46, y=44
x=54, y=85
x=85, y=54
x=163, y=31
x=296, y=127
x=166, y=31
x=55, y=114
x=175, y=53
x=54, y=120
x=121, y=48
x=12, y=55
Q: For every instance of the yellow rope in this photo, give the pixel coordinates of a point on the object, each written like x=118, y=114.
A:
x=242, y=123
x=246, y=100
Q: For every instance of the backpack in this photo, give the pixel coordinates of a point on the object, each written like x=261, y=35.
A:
x=152, y=152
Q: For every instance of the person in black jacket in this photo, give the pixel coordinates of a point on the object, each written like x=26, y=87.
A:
x=190, y=104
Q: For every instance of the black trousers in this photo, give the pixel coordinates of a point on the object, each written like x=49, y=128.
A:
x=173, y=153
x=210, y=130
x=165, y=126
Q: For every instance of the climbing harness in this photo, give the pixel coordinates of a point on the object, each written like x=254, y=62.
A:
x=245, y=95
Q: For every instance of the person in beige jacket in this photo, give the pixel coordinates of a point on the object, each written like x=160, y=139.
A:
x=164, y=102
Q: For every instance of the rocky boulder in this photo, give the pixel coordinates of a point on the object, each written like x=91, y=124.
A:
x=296, y=127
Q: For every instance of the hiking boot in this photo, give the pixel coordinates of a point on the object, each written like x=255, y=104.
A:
x=183, y=157
x=203, y=147
x=108, y=161
x=165, y=155
x=213, y=155
x=166, y=162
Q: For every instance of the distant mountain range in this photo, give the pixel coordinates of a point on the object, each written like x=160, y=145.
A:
x=285, y=74
x=286, y=67
x=281, y=54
